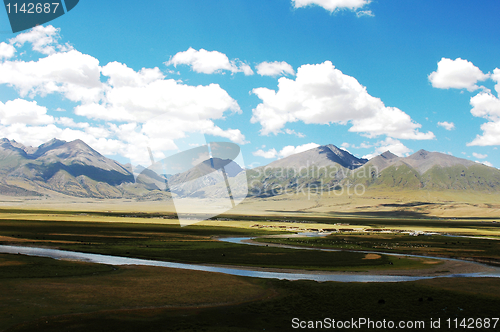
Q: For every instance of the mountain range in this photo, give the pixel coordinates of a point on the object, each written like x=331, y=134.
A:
x=71, y=168
x=75, y=169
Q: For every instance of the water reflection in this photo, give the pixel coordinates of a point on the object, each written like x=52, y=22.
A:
x=316, y=276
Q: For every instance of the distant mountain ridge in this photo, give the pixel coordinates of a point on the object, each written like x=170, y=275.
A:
x=326, y=155
x=328, y=168
x=428, y=170
x=75, y=169
x=71, y=168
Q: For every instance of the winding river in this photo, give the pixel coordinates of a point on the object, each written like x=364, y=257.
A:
x=238, y=271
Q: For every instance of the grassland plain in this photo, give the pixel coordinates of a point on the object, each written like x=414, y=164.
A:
x=477, y=249
x=162, y=299
x=374, y=202
x=34, y=287
x=193, y=244
x=92, y=297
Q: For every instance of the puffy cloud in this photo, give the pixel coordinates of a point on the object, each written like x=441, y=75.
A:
x=484, y=162
x=70, y=123
x=293, y=132
x=208, y=62
x=24, y=112
x=462, y=74
x=274, y=69
x=120, y=75
x=363, y=145
x=392, y=122
x=486, y=105
x=233, y=135
x=43, y=40
x=332, y=5
x=7, y=51
x=490, y=135
x=496, y=77
x=30, y=135
x=246, y=69
x=73, y=74
x=161, y=112
x=269, y=154
x=322, y=94
x=161, y=97
x=447, y=125
x=389, y=144
x=362, y=13
x=479, y=156
x=141, y=108
x=457, y=74
x=285, y=152
x=39, y=134
x=289, y=150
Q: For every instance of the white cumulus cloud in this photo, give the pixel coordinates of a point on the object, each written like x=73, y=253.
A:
x=484, y=162
x=496, y=77
x=290, y=149
x=490, y=135
x=73, y=74
x=7, y=51
x=486, y=105
x=275, y=68
x=120, y=75
x=23, y=112
x=447, y=125
x=269, y=154
x=457, y=74
x=322, y=94
x=293, y=132
x=479, y=156
x=43, y=39
x=362, y=13
x=136, y=109
x=332, y=5
x=285, y=152
x=208, y=62
x=463, y=74
x=392, y=145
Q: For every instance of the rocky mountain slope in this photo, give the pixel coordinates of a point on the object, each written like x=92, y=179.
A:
x=75, y=169
x=71, y=168
x=427, y=170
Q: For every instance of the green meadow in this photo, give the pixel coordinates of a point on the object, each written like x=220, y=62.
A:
x=194, y=244
x=43, y=294
x=478, y=249
x=130, y=298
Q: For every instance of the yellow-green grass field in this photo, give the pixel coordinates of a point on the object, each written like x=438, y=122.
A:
x=195, y=244
x=103, y=298
x=370, y=203
x=34, y=287
x=42, y=294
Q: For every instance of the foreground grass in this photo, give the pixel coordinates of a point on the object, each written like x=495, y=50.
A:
x=34, y=287
x=162, y=299
x=192, y=244
x=478, y=249
x=26, y=267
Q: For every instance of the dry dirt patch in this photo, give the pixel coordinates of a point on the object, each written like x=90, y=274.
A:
x=372, y=256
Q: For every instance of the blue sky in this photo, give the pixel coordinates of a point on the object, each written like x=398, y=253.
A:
x=275, y=76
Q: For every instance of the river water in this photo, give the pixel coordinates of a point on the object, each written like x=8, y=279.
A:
x=237, y=271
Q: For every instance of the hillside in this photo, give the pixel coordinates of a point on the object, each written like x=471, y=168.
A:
x=75, y=169
x=71, y=168
x=426, y=170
